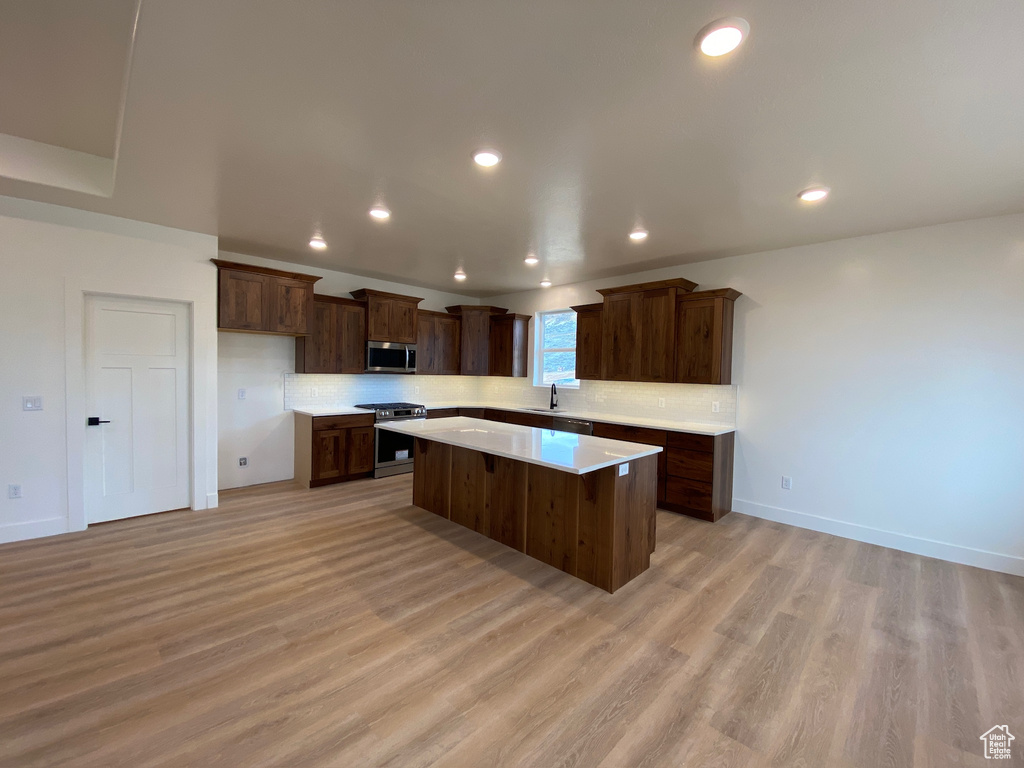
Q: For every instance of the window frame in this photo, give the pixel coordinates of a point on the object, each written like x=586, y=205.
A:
x=539, y=349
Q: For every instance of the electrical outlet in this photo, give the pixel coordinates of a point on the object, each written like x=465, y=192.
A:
x=417, y=390
x=716, y=407
x=241, y=394
x=661, y=402
x=624, y=469
x=243, y=462
x=787, y=483
x=314, y=392
x=34, y=403
x=13, y=491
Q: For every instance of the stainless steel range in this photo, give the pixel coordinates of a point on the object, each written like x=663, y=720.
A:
x=392, y=453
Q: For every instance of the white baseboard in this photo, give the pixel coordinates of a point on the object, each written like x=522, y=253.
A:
x=212, y=500
x=954, y=553
x=32, y=530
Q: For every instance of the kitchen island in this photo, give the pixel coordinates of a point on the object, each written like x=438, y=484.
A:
x=585, y=505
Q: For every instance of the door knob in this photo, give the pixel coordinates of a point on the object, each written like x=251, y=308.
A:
x=95, y=421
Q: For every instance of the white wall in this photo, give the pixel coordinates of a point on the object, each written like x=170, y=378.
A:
x=885, y=374
x=259, y=427
x=50, y=258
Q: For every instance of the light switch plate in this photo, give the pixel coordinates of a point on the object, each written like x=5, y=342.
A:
x=34, y=403
x=787, y=483
x=241, y=394
x=716, y=407
x=623, y=469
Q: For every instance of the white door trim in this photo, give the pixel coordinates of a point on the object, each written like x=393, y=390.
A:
x=202, y=383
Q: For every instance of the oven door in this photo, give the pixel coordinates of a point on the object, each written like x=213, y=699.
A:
x=390, y=357
x=392, y=452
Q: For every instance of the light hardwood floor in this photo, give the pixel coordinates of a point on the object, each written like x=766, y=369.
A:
x=344, y=627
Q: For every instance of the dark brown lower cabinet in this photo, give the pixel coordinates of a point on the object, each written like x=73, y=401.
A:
x=333, y=449
x=599, y=527
x=442, y=413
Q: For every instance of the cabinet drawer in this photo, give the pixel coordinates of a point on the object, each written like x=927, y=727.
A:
x=693, y=465
x=540, y=420
x=442, y=413
x=342, y=422
x=689, y=442
x=629, y=434
x=692, y=494
x=473, y=413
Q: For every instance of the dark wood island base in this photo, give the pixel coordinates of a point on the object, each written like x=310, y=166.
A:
x=598, y=526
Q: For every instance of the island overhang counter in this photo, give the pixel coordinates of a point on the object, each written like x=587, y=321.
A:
x=583, y=504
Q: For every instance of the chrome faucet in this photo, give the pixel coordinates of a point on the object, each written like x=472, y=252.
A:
x=554, y=397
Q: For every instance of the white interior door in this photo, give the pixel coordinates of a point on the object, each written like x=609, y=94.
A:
x=137, y=381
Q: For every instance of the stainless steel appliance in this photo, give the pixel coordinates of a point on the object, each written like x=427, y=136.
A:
x=392, y=452
x=578, y=426
x=390, y=357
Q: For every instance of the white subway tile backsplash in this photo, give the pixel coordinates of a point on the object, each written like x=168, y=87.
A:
x=683, y=402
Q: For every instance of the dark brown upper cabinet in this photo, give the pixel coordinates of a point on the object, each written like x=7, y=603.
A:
x=475, y=346
x=389, y=316
x=437, y=343
x=704, y=323
x=509, y=345
x=588, y=340
x=260, y=300
x=638, y=323
x=337, y=337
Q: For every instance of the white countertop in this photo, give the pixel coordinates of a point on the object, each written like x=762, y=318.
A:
x=564, y=451
x=691, y=427
x=343, y=411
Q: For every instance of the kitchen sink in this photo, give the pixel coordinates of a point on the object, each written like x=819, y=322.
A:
x=546, y=410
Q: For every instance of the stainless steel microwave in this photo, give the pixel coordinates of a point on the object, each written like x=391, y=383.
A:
x=390, y=357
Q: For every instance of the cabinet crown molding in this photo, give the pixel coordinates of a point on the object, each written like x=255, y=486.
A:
x=460, y=309
x=240, y=267
x=364, y=293
x=679, y=283
x=721, y=293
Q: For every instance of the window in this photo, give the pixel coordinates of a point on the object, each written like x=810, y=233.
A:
x=556, y=349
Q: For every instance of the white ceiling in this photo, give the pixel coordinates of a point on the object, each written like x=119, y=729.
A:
x=262, y=121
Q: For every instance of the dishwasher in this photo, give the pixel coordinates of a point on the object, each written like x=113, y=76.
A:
x=578, y=426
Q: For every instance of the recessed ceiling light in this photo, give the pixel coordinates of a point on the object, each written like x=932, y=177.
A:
x=638, y=235
x=380, y=212
x=460, y=275
x=318, y=243
x=545, y=283
x=531, y=259
x=487, y=157
x=723, y=36
x=814, y=194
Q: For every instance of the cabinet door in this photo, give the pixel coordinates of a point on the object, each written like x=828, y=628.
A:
x=500, y=352
x=328, y=453
x=588, y=344
x=620, y=352
x=476, y=342
x=426, y=344
x=352, y=338
x=290, y=305
x=403, y=321
x=244, y=301
x=360, y=450
x=657, y=335
x=696, y=350
x=378, y=319
x=320, y=348
x=446, y=351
